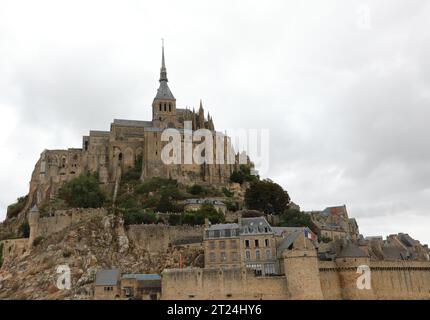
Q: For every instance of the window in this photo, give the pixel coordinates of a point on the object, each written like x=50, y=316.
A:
x=211, y=245
x=257, y=254
x=160, y=106
x=222, y=244
x=165, y=107
x=268, y=254
x=223, y=256
x=256, y=243
x=248, y=255
x=211, y=234
x=269, y=269
x=222, y=233
x=170, y=107
x=247, y=243
x=233, y=244
x=266, y=242
x=212, y=257
x=234, y=256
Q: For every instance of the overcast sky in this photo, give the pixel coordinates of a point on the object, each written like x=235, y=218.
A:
x=343, y=86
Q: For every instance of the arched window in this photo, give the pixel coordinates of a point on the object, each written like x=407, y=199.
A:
x=170, y=107
x=120, y=157
x=165, y=107
x=160, y=106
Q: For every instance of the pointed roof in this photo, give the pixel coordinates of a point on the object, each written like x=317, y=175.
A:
x=163, y=91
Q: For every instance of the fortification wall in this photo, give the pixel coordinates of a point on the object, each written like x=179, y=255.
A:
x=62, y=219
x=389, y=280
x=237, y=283
x=401, y=279
x=14, y=248
x=330, y=282
x=158, y=238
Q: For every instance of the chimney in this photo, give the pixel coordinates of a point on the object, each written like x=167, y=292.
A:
x=207, y=223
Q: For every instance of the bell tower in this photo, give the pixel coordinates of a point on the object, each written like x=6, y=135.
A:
x=164, y=104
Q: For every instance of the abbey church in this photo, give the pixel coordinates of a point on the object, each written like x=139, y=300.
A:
x=111, y=153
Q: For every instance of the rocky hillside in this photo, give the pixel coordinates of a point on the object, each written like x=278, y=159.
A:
x=85, y=247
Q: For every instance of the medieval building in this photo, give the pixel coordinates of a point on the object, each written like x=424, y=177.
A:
x=128, y=142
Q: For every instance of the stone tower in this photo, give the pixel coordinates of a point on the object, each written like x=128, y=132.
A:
x=350, y=263
x=33, y=221
x=164, y=104
x=301, y=270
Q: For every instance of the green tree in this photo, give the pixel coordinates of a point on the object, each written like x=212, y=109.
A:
x=195, y=190
x=165, y=205
x=244, y=174
x=83, y=192
x=14, y=209
x=266, y=196
x=295, y=218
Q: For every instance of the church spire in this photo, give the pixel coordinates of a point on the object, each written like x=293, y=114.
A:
x=163, y=71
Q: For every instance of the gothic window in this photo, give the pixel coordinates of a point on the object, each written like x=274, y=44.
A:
x=120, y=157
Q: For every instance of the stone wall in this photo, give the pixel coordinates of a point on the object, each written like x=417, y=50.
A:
x=389, y=280
x=238, y=283
x=14, y=248
x=45, y=226
x=158, y=238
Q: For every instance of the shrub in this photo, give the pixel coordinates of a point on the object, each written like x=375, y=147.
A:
x=14, y=209
x=24, y=229
x=324, y=239
x=295, y=218
x=52, y=205
x=165, y=205
x=139, y=217
x=37, y=241
x=195, y=189
x=244, y=174
x=227, y=192
x=83, y=192
x=154, y=184
x=174, y=219
x=133, y=174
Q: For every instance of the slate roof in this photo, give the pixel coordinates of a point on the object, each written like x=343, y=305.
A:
x=254, y=226
x=142, y=276
x=107, y=277
x=394, y=253
x=201, y=201
x=163, y=92
x=288, y=240
x=351, y=250
x=223, y=226
x=279, y=230
x=132, y=123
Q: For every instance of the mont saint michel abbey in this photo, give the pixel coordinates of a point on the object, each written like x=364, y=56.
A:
x=112, y=153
